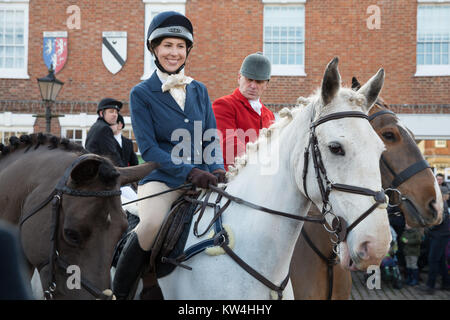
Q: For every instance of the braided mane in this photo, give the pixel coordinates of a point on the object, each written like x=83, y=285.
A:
x=36, y=140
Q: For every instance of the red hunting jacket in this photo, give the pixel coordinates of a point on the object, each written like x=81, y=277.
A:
x=234, y=112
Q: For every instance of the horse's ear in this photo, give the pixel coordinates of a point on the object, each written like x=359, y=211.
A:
x=372, y=89
x=331, y=81
x=135, y=173
x=355, y=84
x=85, y=170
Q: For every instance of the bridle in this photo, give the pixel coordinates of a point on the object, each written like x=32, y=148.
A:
x=55, y=260
x=397, y=180
x=339, y=227
x=400, y=178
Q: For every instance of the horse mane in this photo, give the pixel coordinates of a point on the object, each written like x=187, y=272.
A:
x=286, y=116
x=107, y=172
x=39, y=139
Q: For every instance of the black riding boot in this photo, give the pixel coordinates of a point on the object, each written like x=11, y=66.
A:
x=131, y=263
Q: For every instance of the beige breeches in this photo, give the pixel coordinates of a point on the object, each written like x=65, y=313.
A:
x=153, y=211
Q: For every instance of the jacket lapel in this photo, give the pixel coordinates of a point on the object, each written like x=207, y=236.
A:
x=165, y=97
x=191, y=98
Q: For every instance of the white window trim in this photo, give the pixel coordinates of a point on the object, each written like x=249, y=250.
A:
x=158, y=5
x=432, y=1
x=432, y=70
x=289, y=70
x=17, y=120
x=7, y=73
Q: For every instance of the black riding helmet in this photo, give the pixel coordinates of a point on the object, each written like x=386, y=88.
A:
x=108, y=103
x=170, y=24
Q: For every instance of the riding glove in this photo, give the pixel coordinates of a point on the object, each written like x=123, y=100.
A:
x=220, y=174
x=201, y=178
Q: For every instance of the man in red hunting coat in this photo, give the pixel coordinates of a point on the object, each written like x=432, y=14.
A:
x=241, y=115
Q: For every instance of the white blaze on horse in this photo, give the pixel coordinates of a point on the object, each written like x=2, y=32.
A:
x=349, y=151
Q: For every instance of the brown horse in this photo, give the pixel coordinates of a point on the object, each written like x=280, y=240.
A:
x=403, y=168
x=68, y=207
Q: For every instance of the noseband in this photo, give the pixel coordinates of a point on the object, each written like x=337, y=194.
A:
x=401, y=177
x=55, y=198
x=339, y=227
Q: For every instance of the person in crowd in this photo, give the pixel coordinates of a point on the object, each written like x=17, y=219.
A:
x=411, y=238
x=127, y=154
x=165, y=109
x=100, y=138
x=438, y=238
x=241, y=114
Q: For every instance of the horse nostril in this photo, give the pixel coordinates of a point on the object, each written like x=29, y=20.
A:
x=363, y=251
x=433, y=210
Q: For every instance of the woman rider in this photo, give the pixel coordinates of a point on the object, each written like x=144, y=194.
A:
x=165, y=109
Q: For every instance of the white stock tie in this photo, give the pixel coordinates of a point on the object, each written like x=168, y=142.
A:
x=176, y=85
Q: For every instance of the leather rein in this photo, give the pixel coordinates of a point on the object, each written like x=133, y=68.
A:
x=55, y=198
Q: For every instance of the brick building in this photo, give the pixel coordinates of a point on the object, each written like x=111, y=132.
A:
x=408, y=38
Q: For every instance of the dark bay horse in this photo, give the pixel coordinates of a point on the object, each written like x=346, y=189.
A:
x=402, y=167
x=67, y=204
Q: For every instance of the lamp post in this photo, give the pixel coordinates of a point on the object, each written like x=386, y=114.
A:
x=49, y=87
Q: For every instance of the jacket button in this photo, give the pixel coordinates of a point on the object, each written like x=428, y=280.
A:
x=186, y=120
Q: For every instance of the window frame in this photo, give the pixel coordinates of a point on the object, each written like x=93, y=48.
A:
x=159, y=6
x=18, y=73
x=427, y=70
x=287, y=69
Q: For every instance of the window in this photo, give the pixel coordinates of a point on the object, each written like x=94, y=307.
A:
x=5, y=134
x=152, y=8
x=440, y=143
x=15, y=124
x=284, y=38
x=74, y=135
x=14, y=39
x=433, y=39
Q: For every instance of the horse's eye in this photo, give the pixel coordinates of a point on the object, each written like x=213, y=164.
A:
x=72, y=237
x=389, y=136
x=336, y=148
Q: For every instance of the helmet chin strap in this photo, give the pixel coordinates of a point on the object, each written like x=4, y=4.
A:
x=160, y=67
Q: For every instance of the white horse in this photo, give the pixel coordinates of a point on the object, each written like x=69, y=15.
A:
x=350, y=152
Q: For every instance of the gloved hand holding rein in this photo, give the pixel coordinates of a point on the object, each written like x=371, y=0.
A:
x=201, y=178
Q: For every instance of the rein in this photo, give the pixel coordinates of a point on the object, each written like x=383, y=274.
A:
x=55, y=259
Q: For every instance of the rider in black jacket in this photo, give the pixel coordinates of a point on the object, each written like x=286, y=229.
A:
x=100, y=139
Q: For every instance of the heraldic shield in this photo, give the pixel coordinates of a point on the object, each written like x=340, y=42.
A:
x=114, y=50
x=55, y=49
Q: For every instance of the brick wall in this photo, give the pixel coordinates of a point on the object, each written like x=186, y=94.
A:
x=225, y=32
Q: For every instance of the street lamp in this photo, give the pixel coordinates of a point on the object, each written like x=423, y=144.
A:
x=49, y=87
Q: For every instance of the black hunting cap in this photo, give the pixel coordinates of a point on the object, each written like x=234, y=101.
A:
x=121, y=120
x=109, y=103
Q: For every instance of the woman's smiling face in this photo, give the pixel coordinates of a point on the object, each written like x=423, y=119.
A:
x=171, y=53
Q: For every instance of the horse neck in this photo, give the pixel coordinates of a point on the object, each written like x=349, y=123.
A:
x=279, y=191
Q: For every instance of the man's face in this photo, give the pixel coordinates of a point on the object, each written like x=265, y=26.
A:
x=251, y=89
x=110, y=115
x=439, y=179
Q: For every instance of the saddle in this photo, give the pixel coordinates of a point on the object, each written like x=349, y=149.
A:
x=172, y=236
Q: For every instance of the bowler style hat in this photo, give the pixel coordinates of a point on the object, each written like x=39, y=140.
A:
x=109, y=103
x=256, y=66
x=121, y=120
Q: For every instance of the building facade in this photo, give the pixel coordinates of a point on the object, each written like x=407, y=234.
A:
x=408, y=38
